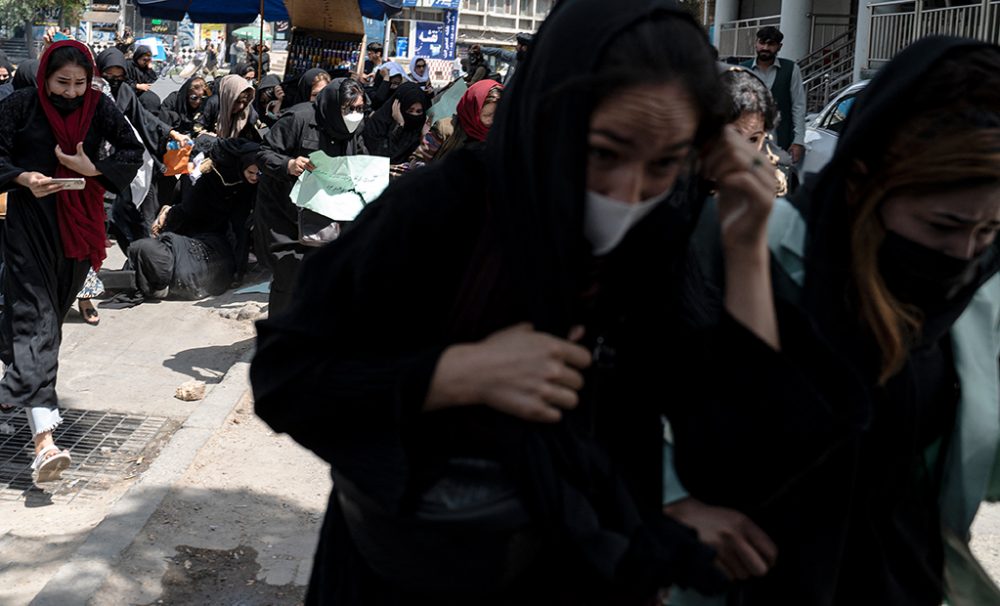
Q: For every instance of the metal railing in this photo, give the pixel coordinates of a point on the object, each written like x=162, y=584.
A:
x=825, y=28
x=895, y=25
x=827, y=70
x=736, y=38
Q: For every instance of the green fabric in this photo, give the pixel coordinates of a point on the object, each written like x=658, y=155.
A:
x=782, y=92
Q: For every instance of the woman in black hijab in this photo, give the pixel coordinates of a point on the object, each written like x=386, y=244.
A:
x=182, y=108
x=129, y=223
x=247, y=71
x=306, y=87
x=334, y=125
x=269, y=99
x=891, y=302
x=200, y=245
x=540, y=250
x=141, y=76
x=24, y=77
x=396, y=129
x=6, y=75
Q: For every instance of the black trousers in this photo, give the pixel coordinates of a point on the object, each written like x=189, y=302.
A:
x=39, y=286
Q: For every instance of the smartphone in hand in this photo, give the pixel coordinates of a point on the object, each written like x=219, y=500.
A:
x=74, y=184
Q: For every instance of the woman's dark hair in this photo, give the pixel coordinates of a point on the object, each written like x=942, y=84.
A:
x=68, y=55
x=748, y=94
x=663, y=50
x=350, y=91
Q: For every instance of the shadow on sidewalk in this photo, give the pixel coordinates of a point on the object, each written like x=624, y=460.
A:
x=208, y=364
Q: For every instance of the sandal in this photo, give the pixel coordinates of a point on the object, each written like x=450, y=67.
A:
x=49, y=468
x=89, y=313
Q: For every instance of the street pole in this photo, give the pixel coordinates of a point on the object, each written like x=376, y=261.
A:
x=260, y=49
x=121, y=17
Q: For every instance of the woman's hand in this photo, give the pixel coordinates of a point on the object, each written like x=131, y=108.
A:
x=518, y=371
x=78, y=162
x=744, y=550
x=143, y=87
x=179, y=137
x=39, y=184
x=397, y=113
x=746, y=184
x=297, y=166
x=161, y=220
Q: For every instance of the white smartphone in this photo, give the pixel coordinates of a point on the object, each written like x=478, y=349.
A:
x=79, y=183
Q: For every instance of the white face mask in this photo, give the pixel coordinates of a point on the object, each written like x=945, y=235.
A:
x=353, y=120
x=606, y=221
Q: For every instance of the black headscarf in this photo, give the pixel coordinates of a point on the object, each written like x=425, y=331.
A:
x=329, y=115
x=112, y=57
x=181, y=106
x=26, y=74
x=151, y=129
x=876, y=116
x=7, y=88
x=382, y=134
x=232, y=156
x=140, y=52
x=267, y=83
x=243, y=69
x=305, y=84
x=537, y=194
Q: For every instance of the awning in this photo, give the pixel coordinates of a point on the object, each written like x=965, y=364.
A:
x=245, y=11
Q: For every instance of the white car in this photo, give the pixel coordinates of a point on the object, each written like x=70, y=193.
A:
x=823, y=130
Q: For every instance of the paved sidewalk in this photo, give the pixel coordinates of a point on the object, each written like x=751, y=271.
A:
x=240, y=527
x=121, y=374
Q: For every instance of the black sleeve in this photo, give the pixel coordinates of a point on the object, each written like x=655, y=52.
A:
x=752, y=420
x=118, y=169
x=327, y=368
x=280, y=145
x=210, y=114
x=13, y=117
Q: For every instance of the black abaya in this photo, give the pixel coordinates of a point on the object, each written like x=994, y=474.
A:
x=204, y=241
x=855, y=455
x=130, y=221
x=40, y=283
x=384, y=137
x=299, y=131
x=452, y=254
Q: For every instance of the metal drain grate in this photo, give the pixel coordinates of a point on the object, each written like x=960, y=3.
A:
x=106, y=447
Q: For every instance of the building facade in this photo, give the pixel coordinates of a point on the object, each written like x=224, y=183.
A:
x=497, y=22
x=837, y=42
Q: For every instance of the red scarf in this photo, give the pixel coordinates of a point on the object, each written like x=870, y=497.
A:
x=80, y=213
x=471, y=105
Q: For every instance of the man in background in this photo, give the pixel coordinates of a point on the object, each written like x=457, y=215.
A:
x=784, y=79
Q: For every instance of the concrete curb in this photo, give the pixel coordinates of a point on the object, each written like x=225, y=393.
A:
x=86, y=571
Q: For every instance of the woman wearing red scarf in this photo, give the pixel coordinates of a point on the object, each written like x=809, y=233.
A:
x=54, y=234
x=467, y=128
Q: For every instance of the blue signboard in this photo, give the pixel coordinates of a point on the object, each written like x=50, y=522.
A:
x=450, y=34
x=446, y=4
x=429, y=40
x=402, y=46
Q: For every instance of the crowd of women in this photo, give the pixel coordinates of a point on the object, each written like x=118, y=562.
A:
x=579, y=351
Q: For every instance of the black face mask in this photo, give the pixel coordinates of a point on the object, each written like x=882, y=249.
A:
x=66, y=106
x=921, y=276
x=411, y=122
x=115, y=84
